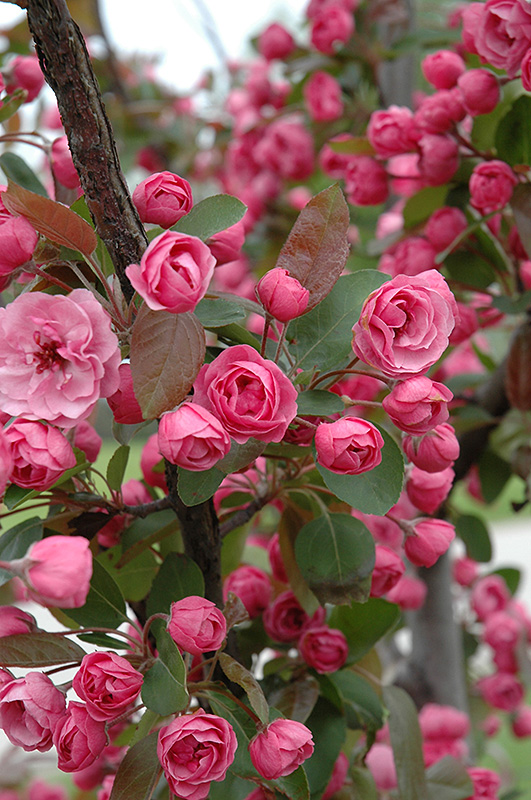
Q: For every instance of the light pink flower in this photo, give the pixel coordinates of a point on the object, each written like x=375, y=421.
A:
x=6, y=462
x=408, y=593
x=58, y=356
x=501, y=38
x=348, y=446
x=194, y=750
x=107, y=683
x=174, y=272
x=196, y=625
x=192, y=438
x=78, y=738
x=381, y=764
x=323, y=648
x=249, y=394
x=163, y=198
x=41, y=454
x=417, y=405
x=57, y=571
x=30, y=709
x=281, y=748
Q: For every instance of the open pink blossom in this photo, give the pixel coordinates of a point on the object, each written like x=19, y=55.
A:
x=280, y=748
x=41, y=454
x=418, y=404
x=30, y=709
x=285, y=619
x=57, y=571
x=107, y=683
x=78, y=738
x=348, y=446
x=58, y=356
x=192, y=438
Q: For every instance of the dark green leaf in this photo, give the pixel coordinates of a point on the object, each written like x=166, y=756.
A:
x=17, y=495
x=241, y=455
x=214, y=313
x=164, y=689
x=364, y=624
x=406, y=741
x=105, y=605
x=373, y=492
x=16, y=542
x=327, y=725
x=322, y=338
x=196, y=487
x=144, y=530
x=297, y=699
x=38, y=650
x=494, y=472
x=469, y=268
x=233, y=333
x=117, y=466
x=335, y=554
x=9, y=107
x=294, y=786
x=16, y=170
x=135, y=576
x=237, y=673
x=139, y=772
x=363, y=783
x=422, y=204
x=474, y=533
x=449, y=780
x=511, y=576
x=102, y=640
x=513, y=136
x=362, y=705
x=212, y=215
x=178, y=577
x=510, y=305
x=315, y=402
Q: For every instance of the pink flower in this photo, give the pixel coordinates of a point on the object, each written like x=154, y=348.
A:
x=249, y=394
x=491, y=185
x=62, y=165
x=152, y=464
x=349, y=446
x=196, y=625
x=275, y=42
x=194, y=750
x=444, y=225
x=526, y=71
x=123, y=403
x=281, y=295
x=502, y=631
x=501, y=690
x=439, y=112
x=480, y=91
x=465, y=571
x=392, y=131
x=13, y=620
x=443, y=68
x=285, y=620
x=58, y=570
x=500, y=37
x=404, y=325
x=58, y=356
x=323, y=648
x=192, y=437
x=443, y=722
x=381, y=764
x=439, y=158
x=486, y=783
x=275, y=559
x=521, y=724
x=431, y=539
x=409, y=593
x=435, y=451
x=78, y=738
x=41, y=454
x=40, y=790
x=331, y=27
x=281, y=748
x=86, y=438
x=338, y=776
x=24, y=72
x=226, y=245
x=174, y=272
x=6, y=462
x=490, y=594
x=163, y=198
x=366, y=181
x=30, y=710
x=427, y=490
x=252, y=586
x=410, y=256
x=417, y=405
x=322, y=96
x=18, y=239
x=107, y=683
x=388, y=569
x=286, y=149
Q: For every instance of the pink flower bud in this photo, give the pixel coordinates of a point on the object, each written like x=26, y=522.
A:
x=24, y=72
x=521, y=724
x=123, y=403
x=58, y=570
x=226, y=245
x=366, y=182
x=435, y=451
x=411, y=256
x=323, y=648
x=152, y=463
x=439, y=158
x=439, y=112
x=443, y=68
x=417, y=405
x=18, y=239
x=486, y=782
x=281, y=748
x=388, y=569
x=466, y=324
x=192, y=438
x=526, y=71
x=427, y=490
x=40, y=790
x=107, y=683
x=501, y=690
x=41, y=454
x=465, y=571
x=431, y=539
x=331, y=28
x=13, y=620
x=502, y=631
x=349, y=446
x=30, y=710
x=480, y=91
x=443, y=722
x=392, y=131
x=62, y=165
x=163, y=198
x=281, y=295
x=275, y=559
x=285, y=620
x=275, y=42
x=252, y=586
x=381, y=764
x=86, y=438
x=286, y=149
x=337, y=778
x=490, y=594
x=322, y=96
x=78, y=738
x=409, y=593
x=196, y=625
x=444, y=225
x=491, y=185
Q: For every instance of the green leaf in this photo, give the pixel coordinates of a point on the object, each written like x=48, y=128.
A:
x=316, y=250
x=296, y=700
x=135, y=576
x=363, y=784
x=139, y=772
x=469, y=268
x=449, y=780
x=316, y=402
x=237, y=673
x=513, y=136
x=422, y=204
x=105, y=605
x=164, y=689
x=362, y=705
x=147, y=529
x=16, y=170
x=511, y=576
x=214, y=313
x=335, y=554
x=474, y=533
x=212, y=215
x=364, y=624
x=196, y=487
x=177, y=578
x=406, y=741
x=38, y=650
x=102, y=640
x=294, y=786
x=11, y=105
x=241, y=455
x=373, y=492
x=233, y=333
x=509, y=305
x=322, y=338
x=16, y=542
x=117, y=466
x=167, y=352
x=327, y=725
x=16, y=496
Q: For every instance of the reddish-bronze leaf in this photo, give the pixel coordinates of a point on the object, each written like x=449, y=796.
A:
x=54, y=220
x=521, y=206
x=167, y=351
x=38, y=650
x=317, y=248
x=518, y=375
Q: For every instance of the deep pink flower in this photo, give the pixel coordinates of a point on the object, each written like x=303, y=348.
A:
x=410, y=256
x=18, y=239
x=123, y=403
x=338, y=776
x=192, y=437
x=285, y=619
x=78, y=738
x=417, y=405
x=408, y=593
x=282, y=295
x=13, y=620
x=430, y=540
x=443, y=68
x=501, y=690
x=194, y=750
x=331, y=27
x=392, y=131
x=87, y=438
x=174, y=272
x=502, y=631
x=24, y=72
x=388, y=569
x=444, y=225
x=275, y=42
x=249, y=394
x=107, y=683
x=380, y=761
x=427, y=490
x=366, y=181
x=41, y=790
x=286, y=148
x=252, y=586
x=348, y=446
x=490, y=594
x=323, y=648
x=281, y=748
x=491, y=185
x=439, y=158
x=30, y=709
x=58, y=570
x=150, y=459
x=435, y=451
x=322, y=96
x=443, y=722
x=480, y=91
x=41, y=454
x=486, y=783
x=58, y=356
x=62, y=165
x=163, y=198
x=196, y=625
x=6, y=462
